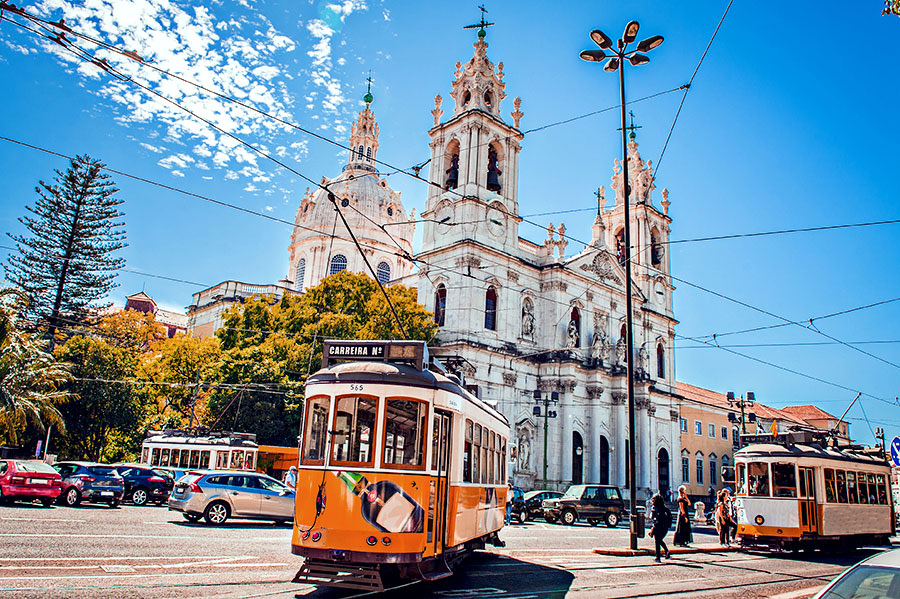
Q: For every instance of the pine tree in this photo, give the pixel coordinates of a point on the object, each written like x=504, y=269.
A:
x=66, y=262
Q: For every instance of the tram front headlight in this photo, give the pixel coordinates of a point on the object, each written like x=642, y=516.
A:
x=316, y=536
x=386, y=541
x=372, y=540
x=759, y=520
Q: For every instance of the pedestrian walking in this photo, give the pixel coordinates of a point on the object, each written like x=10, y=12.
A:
x=732, y=512
x=510, y=496
x=683, y=535
x=724, y=521
x=290, y=478
x=662, y=520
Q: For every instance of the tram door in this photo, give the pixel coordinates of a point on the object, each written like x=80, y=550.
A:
x=809, y=512
x=442, y=423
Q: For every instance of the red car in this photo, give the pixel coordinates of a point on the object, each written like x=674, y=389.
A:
x=22, y=479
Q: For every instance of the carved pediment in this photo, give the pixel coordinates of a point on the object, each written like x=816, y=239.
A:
x=604, y=268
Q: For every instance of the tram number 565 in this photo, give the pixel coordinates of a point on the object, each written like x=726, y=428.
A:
x=356, y=387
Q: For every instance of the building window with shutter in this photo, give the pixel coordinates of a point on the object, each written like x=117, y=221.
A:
x=490, y=309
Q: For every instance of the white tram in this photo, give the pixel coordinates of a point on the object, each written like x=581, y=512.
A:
x=213, y=451
x=794, y=492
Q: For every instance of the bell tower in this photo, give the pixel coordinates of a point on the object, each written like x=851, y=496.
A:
x=364, y=137
x=474, y=159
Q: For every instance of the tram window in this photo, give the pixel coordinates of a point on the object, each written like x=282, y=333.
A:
x=404, y=426
x=485, y=459
x=852, y=496
x=467, y=456
x=154, y=457
x=145, y=453
x=758, y=474
x=830, y=494
x=204, y=459
x=741, y=479
x=164, y=457
x=863, y=487
x=882, y=490
x=185, y=459
x=221, y=460
x=237, y=459
x=354, y=426
x=784, y=480
x=435, y=440
x=873, y=489
x=476, y=455
x=503, y=460
x=841, y=486
x=173, y=458
x=316, y=430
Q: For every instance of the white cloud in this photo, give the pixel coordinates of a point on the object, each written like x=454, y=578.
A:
x=269, y=209
x=152, y=148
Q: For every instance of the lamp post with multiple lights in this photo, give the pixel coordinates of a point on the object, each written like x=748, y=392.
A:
x=616, y=62
x=746, y=401
x=548, y=400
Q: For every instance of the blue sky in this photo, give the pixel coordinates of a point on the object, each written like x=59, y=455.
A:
x=790, y=123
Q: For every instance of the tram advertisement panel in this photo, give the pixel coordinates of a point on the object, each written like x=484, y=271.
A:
x=353, y=506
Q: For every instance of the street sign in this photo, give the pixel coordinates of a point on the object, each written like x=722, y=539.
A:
x=895, y=451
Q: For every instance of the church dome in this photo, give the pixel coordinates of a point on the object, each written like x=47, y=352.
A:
x=372, y=210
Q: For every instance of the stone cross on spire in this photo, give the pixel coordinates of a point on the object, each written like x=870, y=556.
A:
x=631, y=127
x=480, y=26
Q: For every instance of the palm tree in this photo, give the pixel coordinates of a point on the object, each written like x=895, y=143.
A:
x=30, y=378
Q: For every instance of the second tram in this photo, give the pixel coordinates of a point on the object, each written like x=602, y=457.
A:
x=793, y=493
x=402, y=471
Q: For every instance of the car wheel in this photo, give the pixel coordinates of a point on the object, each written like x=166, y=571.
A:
x=115, y=503
x=522, y=517
x=216, y=513
x=139, y=496
x=569, y=517
x=72, y=497
x=593, y=521
x=48, y=502
x=612, y=519
x=191, y=517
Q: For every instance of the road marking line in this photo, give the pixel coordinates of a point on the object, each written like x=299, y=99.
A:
x=40, y=519
x=67, y=535
x=119, y=577
x=119, y=558
x=798, y=593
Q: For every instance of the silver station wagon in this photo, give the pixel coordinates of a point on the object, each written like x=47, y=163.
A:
x=218, y=496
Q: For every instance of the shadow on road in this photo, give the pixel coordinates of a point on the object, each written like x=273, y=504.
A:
x=232, y=524
x=481, y=576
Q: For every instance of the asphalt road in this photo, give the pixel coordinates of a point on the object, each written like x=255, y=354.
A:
x=96, y=551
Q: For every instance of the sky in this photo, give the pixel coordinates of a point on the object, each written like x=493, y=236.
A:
x=790, y=123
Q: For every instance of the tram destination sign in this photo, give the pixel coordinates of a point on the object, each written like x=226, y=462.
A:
x=374, y=351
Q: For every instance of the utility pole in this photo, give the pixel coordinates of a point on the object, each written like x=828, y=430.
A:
x=551, y=399
x=747, y=401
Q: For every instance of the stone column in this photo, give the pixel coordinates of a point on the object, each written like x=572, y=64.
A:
x=593, y=449
x=564, y=458
x=617, y=465
x=644, y=443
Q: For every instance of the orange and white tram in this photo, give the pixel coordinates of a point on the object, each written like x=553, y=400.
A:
x=793, y=493
x=402, y=471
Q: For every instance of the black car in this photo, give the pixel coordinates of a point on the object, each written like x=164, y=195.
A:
x=590, y=502
x=89, y=481
x=144, y=484
x=533, y=505
x=517, y=511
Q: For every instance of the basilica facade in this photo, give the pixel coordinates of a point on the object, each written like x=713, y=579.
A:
x=518, y=319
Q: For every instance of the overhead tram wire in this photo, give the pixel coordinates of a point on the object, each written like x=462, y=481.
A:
x=114, y=72
x=687, y=87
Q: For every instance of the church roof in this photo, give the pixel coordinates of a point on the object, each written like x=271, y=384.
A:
x=808, y=413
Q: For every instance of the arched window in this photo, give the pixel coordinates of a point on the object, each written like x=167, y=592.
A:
x=338, y=263
x=660, y=361
x=574, y=331
x=359, y=152
x=713, y=470
x=699, y=459
x=490, y=309
x=623, y=331
x=620, y=246
x=368, y=154
x=384, y=272
x=685, y=467
x=301, y=273
x=440, y=304
x=488, y=100
x=467, y=97
x=662, y=470
x=656, y=249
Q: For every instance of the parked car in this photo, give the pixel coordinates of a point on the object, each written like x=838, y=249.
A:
x=23, y=479
x=173, y=473
x=143, y=484
x=220, y=495
x=593, y=503
x=533, y=503
x=517, y=509
x=876, y=576
x=89, y=481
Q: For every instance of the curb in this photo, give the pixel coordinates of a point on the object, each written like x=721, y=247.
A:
x=673, y=550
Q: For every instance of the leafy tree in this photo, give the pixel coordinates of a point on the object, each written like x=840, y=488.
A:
x=274, y=345
x=65, y=264
x=31, y=381
x=101, y=408
x=130, y=329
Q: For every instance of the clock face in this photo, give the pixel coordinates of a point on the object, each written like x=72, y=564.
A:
x=496, y=221
x=444, y=217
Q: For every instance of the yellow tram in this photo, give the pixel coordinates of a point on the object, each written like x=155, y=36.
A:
x=794, y=492
x=402, y=471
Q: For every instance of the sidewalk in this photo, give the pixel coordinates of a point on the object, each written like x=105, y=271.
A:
x=695, y=548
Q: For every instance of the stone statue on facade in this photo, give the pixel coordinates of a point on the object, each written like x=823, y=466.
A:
x=527, y=319
x=620, y=352
x=524, y=452
x=600, y=345
x=572, y=335
x=643, y=358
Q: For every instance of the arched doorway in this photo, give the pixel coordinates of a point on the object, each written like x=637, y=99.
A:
x=604, y=461
x=577, y=458
x=662, y=470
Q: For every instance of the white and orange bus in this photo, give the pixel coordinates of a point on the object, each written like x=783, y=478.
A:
x=402, y=471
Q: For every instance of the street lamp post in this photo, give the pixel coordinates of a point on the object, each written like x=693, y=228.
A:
x=617, y=62
x=551, y=399
x=743, y=402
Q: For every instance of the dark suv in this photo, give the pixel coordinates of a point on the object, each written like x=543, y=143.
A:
x=88, y=481
x=144, y=484
x=590, y=502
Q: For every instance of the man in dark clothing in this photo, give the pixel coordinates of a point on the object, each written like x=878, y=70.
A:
x=662, y=520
